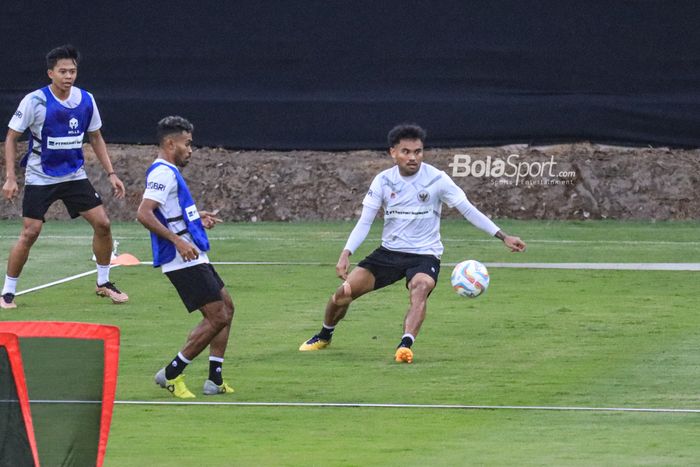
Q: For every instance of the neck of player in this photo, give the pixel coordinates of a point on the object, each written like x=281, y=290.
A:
x=59, y=92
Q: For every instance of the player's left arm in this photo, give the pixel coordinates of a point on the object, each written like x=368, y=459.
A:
x=100, y=147
x=455, y=197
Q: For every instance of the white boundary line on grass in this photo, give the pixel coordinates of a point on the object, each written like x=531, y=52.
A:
x=60, y=281
x=376, y=239
x=381, y=406
x=576, y=266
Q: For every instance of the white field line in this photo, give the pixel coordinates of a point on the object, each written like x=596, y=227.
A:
x=594, y=266
x=602, y=266
x=574, y=266
x=377, y=406
x=61, y=281
x=587, y=266
x=377, y=239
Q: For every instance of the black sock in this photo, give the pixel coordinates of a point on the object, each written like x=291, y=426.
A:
x=406, y=341
x=326, y=334
x=175, y=368
x=215, y=372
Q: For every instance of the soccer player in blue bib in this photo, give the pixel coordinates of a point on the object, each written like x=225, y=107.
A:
x=180, y=246
x=58, y=117
x=410, y=194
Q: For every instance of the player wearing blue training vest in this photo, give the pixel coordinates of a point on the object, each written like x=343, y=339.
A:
x=410, y=195
x=180, y=246
x=58, y=117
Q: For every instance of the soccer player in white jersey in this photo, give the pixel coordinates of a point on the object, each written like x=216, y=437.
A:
x=58, y=116
x=411, y=195
x=179, y=244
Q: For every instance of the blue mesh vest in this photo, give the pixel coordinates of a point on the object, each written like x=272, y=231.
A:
x=62, y=135
x=164, y=250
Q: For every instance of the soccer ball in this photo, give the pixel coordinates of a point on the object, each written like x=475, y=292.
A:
x=470, y=278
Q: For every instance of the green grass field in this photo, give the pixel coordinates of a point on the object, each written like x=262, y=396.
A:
x=556, y=338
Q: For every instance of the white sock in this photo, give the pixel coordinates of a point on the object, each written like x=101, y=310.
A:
x=102, y=274
x=10, y=285
x=182, y=357
x=410, y=336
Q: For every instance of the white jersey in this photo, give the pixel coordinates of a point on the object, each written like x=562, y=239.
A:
x=161, y=186
x=412, y=207
x=31, y=114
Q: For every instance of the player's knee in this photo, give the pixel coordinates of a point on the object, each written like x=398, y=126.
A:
x=421, y=287
x=343, y=296
x=229, y=310
x=221, y=319
x=102, y=226
x=29, y=235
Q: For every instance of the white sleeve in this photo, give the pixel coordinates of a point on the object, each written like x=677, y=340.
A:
x=476, y=217
x=24, y=115
x=159, y=183
x=96, y=120
x=450, y=193
x=359, y=233
x=373, y=198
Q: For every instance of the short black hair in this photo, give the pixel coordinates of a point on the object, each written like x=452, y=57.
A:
x=406, y=131
x=61, y=52
x=172, y=124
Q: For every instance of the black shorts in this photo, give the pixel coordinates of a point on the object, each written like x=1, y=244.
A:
x=197, y=285
x=77, y=195
x=389, y=266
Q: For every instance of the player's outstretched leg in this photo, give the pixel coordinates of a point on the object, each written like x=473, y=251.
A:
x=359, y=282
x=336, y=308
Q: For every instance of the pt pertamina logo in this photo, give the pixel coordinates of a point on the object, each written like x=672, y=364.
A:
x=423, y=196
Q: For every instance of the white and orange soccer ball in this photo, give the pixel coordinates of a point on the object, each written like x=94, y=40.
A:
x=470, y=278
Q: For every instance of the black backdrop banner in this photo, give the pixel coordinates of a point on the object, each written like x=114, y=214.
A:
x=339, y=74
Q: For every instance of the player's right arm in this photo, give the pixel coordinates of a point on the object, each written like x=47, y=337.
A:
x=146, y=216
x=370, y=206
x=10, y=188
x=357, y=236
x=27, y=113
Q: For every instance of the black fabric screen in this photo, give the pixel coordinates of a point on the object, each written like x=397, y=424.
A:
x=337, y=75
x=14, y=444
